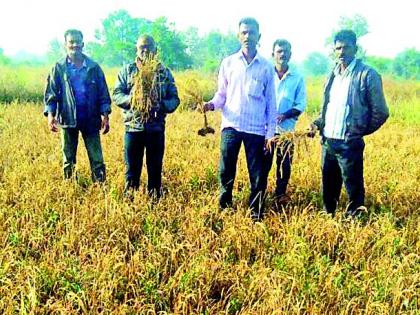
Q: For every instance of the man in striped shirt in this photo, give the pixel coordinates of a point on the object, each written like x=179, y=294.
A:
x=246, y=98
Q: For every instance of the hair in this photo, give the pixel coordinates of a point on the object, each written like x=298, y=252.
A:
x=282, y=42
x=346, y=36
x=148, y=38
x=249, y=21
x=72, y=31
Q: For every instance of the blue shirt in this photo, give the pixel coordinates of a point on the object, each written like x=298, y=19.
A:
x=78, y=81
x=290, y=94
x=245, y=95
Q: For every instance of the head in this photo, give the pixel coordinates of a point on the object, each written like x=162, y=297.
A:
x=73, y=42
x=249, y=34
x=282, y=51
x=345, y=47
x=146, y=47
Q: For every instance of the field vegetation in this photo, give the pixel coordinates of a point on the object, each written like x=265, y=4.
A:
x=73, y=247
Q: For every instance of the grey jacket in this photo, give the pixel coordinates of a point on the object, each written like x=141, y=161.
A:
x=167, y=103
x=367, y=106
x=59, y=97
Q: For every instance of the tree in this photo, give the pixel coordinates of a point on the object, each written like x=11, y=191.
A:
x=407, y=64
x=382, y=64
x=55, y=50
x=173, y=50
x=316, y=64
x=116, y=41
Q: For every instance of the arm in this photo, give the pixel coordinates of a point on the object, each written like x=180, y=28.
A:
x=219, y=99
x=104, y=98
x=121, y=94
x=379, y=112
x=171, y=101
x=52, y=93
x=270, y=108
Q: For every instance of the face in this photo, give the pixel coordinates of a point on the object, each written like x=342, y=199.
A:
x=281, y=55
x=248, y=36
x=145, y=48
x=344, y=52
x=74, y=45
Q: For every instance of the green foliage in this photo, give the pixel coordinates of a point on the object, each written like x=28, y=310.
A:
x=382, y=64
x=407, y=64
x=316, y=64
x=3, y=59
x=116, y=40
x=55, y=51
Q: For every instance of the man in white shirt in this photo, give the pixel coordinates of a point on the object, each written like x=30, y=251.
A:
x=246, y=98
x=354, y=106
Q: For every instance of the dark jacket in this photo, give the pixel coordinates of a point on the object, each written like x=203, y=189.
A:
x=59, y=97
x=167, y=103
x=367, y=107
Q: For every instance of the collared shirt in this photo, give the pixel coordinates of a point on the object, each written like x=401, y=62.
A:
x=290, y=94
x=338, y=107
x=78, y=81
x=246, y=95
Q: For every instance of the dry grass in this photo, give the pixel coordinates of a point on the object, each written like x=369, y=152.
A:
x=70, y=248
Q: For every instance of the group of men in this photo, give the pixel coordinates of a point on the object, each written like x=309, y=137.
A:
x=259, y=102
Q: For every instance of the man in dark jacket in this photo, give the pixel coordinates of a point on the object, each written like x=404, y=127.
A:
x=354, y=106
x=77, y=99
x=145, y=128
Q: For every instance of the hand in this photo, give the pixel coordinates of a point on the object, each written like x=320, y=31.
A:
x=105, y=124
x=312, y=130
x=281, y=118
x=52, y=123
x=270, y=144
x=208, y=107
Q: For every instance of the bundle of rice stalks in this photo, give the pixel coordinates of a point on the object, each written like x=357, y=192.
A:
x=146, y=89
x=287, y=141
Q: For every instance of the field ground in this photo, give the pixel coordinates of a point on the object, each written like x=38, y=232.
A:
x=71, y=247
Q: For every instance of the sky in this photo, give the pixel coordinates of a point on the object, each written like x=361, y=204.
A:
x=29, y=25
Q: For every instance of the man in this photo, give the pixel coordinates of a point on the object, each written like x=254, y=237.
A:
x=77, y=99
x=246, y=98
x=141, y=133
x=291, y=102
x=354, y=106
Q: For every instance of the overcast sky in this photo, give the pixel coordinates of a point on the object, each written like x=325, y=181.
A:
x=29, y=26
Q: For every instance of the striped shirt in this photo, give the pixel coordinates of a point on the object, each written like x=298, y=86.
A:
x=246, y=95
x=338, y=107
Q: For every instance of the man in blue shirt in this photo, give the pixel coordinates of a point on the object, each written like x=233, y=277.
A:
x=77, y=99
x=290, y=103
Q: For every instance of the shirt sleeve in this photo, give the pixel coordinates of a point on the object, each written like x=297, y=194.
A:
x=52, y=92
x=300, y=96
x=219, y=99
x=270, y=111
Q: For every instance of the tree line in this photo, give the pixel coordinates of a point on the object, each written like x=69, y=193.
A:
x=114, y=45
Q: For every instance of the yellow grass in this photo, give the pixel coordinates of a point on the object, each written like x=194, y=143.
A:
x=71, y=248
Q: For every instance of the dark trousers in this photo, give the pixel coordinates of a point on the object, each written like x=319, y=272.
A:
x=342, y=161
x=230, y=145
x=70, y=141
x=135, y=144
x=284, y=157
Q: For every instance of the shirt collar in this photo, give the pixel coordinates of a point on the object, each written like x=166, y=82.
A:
x=69, y=62
x=240, y=55
x=347, y=71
